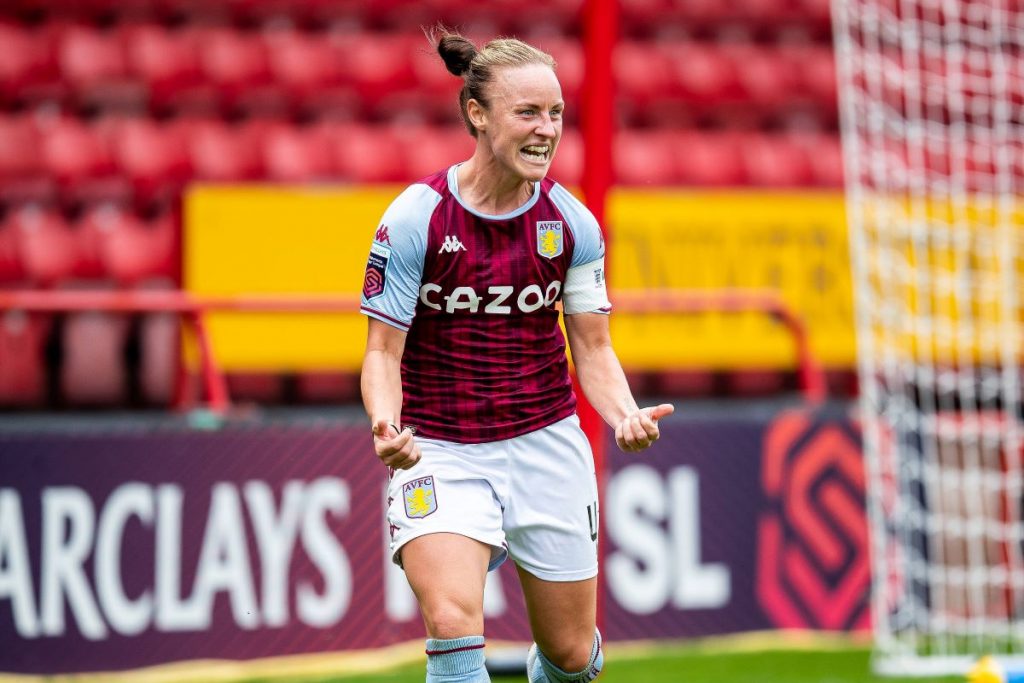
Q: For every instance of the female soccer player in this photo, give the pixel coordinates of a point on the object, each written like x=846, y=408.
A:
x=465, y=350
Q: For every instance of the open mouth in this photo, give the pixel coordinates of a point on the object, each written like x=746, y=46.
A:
x=536, y=153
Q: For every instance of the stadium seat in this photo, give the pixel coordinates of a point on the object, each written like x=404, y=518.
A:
x=567, y=167
x=824, y=157
x=380, y=64
x=773, y=161
x=23, y=340
x=46, y=245
x=79, y=158
x=28, y=69
x=23, y=176
x=167, y=62
x=642, y=72
x=644, y=158
x=11, y=269
x=235, y=63
x=219, y=151
x=255, y=387
x=701, y=73
x=371, y=154
x=93, y=368
x=297, y=154
x=765, y=80
x=117, y=244
x=94, y=63
x=568, y=55
x=159, y=335
x=152, y=156
x=709, y=159
x=310, y=70
x=430, y=149
x=327, y=387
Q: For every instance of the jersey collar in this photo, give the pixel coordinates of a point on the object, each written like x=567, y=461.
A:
x=453, y=187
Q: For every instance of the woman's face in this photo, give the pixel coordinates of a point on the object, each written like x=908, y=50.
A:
x=524, y=121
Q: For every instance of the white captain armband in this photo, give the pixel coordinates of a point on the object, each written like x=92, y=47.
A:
x=585, y=289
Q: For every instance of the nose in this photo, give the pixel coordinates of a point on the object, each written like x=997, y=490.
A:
x=546, y=126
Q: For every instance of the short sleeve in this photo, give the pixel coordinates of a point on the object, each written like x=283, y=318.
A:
x=394, y=267
x=585, y=290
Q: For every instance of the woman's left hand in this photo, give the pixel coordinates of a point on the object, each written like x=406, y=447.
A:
x=639, y=430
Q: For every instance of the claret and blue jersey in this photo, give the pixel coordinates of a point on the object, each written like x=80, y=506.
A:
x=484, y=357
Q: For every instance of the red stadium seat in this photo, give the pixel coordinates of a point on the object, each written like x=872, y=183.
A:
x=324, y=387
x=23, y=350
x=773, y=161
x=167, y=62
x=79, y=158
x=569, y=67
x=23, y=176
x=95, y=64
x=294, y=154
x=152, y=156
x=709, y=159
x=134, y=251
x=235, y=62
x=642, y=72
x=644, y=159
x=221, y=152
x=93, y=368
x=380, y=65
x=432, y=149
x=567, y=166
x=701, y=73
x=46, y=245
x=255, y=387
x=27, y=63
x=370, y=154
x=304, y=62
x=159, y=335
x=11, y=269
x=764, y=77
x=824, y=157
x=311, y=70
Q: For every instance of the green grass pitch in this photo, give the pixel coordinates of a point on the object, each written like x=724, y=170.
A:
x=692, y=663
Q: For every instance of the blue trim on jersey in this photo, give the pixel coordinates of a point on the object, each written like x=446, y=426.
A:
x=453, y=187
x=587, y=233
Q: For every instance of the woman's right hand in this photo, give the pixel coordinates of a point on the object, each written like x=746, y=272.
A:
x=396, y=449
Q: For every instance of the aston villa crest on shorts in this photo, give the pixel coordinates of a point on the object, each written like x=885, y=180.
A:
x=549, y=238
x=420, y=497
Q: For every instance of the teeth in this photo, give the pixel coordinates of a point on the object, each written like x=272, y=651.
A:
x=537, y=149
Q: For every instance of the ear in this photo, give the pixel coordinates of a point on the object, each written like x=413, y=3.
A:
x=477, y=114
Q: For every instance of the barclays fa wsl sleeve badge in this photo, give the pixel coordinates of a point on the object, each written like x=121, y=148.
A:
x=549, y=238
x=420, y=497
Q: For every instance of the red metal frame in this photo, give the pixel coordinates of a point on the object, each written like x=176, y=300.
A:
x=193, y=309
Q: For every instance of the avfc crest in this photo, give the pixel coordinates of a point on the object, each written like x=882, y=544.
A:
x=549, y=238
x=420, y=497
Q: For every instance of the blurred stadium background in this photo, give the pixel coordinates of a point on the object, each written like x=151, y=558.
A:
x=224, y=163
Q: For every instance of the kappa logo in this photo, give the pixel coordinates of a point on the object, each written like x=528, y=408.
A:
x=382, y=235
x=420, y=497
x=451, y=244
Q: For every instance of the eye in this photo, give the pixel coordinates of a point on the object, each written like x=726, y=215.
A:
x=527, y=112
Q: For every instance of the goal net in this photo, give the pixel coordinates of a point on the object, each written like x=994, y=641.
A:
x=932, y=95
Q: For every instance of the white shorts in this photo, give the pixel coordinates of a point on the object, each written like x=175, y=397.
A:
x=533, y=497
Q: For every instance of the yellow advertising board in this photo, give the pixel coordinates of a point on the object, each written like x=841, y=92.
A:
x=281, y=240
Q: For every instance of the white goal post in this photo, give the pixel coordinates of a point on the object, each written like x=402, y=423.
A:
x=932, y=102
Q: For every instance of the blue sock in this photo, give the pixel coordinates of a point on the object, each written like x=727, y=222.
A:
x=456, y=660
x=541, y=670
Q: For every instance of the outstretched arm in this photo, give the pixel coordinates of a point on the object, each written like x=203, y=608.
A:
x=604, y=383
x=381, y=384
